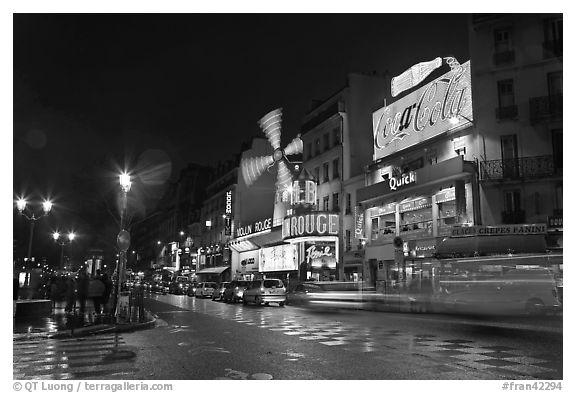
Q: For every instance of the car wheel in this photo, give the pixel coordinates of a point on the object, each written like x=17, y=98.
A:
x=257, y=300
x=244, y=301
x=281, y=304
x=266, y=304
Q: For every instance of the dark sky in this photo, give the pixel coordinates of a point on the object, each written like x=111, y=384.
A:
x=103, y=89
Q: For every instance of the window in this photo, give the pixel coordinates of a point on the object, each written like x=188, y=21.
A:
x=309, y=150
x=503, y=51
x=326, y=201
x=557, y=148
x=513, y=213
x=336, y=136
x=336, y=169
x=326, y=142
x=502, y=40
x=507, y=108
x=348, y=240
x=348, y=203
x=326, y=172
x=317, y=146
x=552, y=38
x=335, y=202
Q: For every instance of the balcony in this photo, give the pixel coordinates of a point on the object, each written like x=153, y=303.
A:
x=519, y=169
x=551, y=49
x=513, y=217
x=546, y=109
x=507, y=112
x=506, y=57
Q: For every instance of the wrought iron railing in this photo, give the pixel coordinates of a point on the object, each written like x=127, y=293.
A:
x=546, y=108
x=519, y=168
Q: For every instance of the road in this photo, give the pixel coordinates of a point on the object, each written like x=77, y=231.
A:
x=202, y=339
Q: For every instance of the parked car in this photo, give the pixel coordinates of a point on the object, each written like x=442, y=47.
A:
x=264, y=292
x=180, y=285
x=206, y=289
x=160, y=287
x=518, y=291
x=235, y=290
x=219, y=292
x=191, y=291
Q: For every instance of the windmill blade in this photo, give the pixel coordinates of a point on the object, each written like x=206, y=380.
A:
x=294, y=147
x=271, y=125
x=284, y=178
x=253, y=167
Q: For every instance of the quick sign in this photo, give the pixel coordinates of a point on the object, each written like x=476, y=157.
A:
x=399, y=181
x=258, y=226
x=311, y=224
x=423, y=114
x=358, y=223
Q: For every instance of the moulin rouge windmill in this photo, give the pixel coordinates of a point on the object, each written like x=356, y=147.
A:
x=254, y=167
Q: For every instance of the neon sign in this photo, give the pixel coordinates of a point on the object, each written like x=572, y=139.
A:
x=404, y=179
x=311, y=224
x=424, y=113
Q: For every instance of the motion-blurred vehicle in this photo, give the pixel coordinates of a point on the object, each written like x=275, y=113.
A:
x=206, y=289
x=299, y=295
x=219, y=292
x=517, y=291
x=235, y=290
x=265, y=292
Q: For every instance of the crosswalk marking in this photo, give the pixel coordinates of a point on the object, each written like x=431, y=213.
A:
x=73, y=358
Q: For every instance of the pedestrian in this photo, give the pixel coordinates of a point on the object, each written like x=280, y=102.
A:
x=107, y=291
x=82, y=287
x=70, y=293
x=53, y=291
x=95, y=291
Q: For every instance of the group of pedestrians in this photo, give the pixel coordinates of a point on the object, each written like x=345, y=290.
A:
x=77, y=290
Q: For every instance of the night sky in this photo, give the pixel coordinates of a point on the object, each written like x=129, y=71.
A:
x=94, y=93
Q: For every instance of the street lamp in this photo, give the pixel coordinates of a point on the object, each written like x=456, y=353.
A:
x=123, y=238
x=62, y=241
x=32, y=216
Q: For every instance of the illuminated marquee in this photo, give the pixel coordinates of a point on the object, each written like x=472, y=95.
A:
x=258, y=226
x=423, y=114
x=311, y=224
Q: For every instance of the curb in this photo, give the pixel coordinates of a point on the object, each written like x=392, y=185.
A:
x=110, y=328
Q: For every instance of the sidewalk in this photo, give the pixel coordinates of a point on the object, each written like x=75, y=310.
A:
x=62, y=324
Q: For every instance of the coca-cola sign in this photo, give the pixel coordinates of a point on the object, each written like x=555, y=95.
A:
x=425, y=113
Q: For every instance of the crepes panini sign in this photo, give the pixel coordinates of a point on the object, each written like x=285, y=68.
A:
x=424, y=113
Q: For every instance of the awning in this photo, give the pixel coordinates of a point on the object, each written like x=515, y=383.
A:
x=242, y=245
x=213, y=270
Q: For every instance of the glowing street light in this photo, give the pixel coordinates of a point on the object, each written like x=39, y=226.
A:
x=32, y=216
x=63, y=241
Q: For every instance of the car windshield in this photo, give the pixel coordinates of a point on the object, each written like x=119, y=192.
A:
x=273, y=284
x=243, y=284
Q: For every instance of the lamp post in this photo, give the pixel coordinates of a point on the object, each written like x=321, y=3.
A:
x=21, y=205
x=123, y=238
x=62, y=241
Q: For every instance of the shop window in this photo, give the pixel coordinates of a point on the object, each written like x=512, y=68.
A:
x=420, y=219
x=447, y=214
x=375, y=229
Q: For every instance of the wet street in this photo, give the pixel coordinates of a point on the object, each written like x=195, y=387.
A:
x=202, y=339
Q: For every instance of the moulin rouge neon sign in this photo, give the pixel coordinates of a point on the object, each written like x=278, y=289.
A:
x=424, y=113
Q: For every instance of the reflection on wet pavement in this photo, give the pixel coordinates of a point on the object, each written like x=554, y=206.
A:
x=453, y=355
